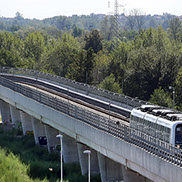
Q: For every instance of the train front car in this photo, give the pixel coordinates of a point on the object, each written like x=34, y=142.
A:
x=159, y=122
x=176, y=129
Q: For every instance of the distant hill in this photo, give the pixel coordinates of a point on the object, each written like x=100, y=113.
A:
x=85, y=22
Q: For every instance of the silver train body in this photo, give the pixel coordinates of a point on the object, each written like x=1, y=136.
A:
x=159, y=122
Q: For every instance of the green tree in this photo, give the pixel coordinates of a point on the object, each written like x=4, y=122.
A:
x=118, y=63
x=62, y=22
x=178, y=88
x=143, y=73
x=11, y=49
x=89, y=64
x=19, y=16
x=34, y=48
x=77, y=70
x=14, y=28
x=100, y=70
x=109, y=83
x=61, y=54
x=153, y=61
x=131, y=21
x=94, y=41
x=153, y=23
x=77, y=32
x=82, y=66
x=174, y=28
x=161, y=98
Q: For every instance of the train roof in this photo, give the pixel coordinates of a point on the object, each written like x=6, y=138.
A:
x=175, y=116
x=162, y=112
x=152, y=118
x=158, y=111
x=146, y=108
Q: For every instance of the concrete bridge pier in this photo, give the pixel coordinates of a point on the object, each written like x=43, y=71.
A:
x=51, y=133
x=132, y=176
x=5, y=112
x=83, y=158
x=109, y=169
x=26, y=122
x=70, y=151
x=15, y=115
x=38, y=130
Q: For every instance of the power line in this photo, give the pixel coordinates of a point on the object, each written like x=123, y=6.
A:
x=116, y=23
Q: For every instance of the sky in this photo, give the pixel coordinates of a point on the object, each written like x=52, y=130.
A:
x=41, y=9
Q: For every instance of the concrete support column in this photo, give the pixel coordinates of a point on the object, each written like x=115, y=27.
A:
x=70, y=151
x=15, y=115
x=130, y=176
x=26, y=122
x=109, y=169
x=83, y=158
x=5, y=112
x=51, y=134
x=38, y=129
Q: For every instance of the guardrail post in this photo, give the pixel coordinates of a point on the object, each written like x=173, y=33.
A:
x=76, y=114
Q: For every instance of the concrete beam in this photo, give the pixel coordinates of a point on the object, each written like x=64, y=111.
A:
x=26, y=122
x=109, y=169
x=15, y=115
x=5, y=112
x=130, y=176
x=135, y=158
x=70, y=151
x=51, y=133
x=94, y=167
x=38, y=129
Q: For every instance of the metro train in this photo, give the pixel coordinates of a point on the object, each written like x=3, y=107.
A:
x=164, y=124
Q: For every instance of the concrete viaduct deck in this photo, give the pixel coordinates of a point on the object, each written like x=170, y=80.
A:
x=117, y=152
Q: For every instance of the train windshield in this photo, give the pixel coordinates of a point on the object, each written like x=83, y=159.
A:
x=179, y=134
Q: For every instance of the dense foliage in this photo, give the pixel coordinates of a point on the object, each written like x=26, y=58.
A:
x=12, y=169
x=143, y=64
x=23, y=161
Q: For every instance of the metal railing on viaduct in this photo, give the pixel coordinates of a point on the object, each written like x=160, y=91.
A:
x=85, y=88
x=150, y=144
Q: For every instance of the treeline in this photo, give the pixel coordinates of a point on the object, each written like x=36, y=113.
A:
x=134, y=20
x=143, y=64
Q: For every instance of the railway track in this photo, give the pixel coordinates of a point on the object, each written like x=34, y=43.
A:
x=77, y=101
x=95, y=104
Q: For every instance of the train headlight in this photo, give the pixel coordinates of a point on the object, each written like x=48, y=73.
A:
x=178, y=146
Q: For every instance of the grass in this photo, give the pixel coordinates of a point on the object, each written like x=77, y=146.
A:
x=37, y=162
